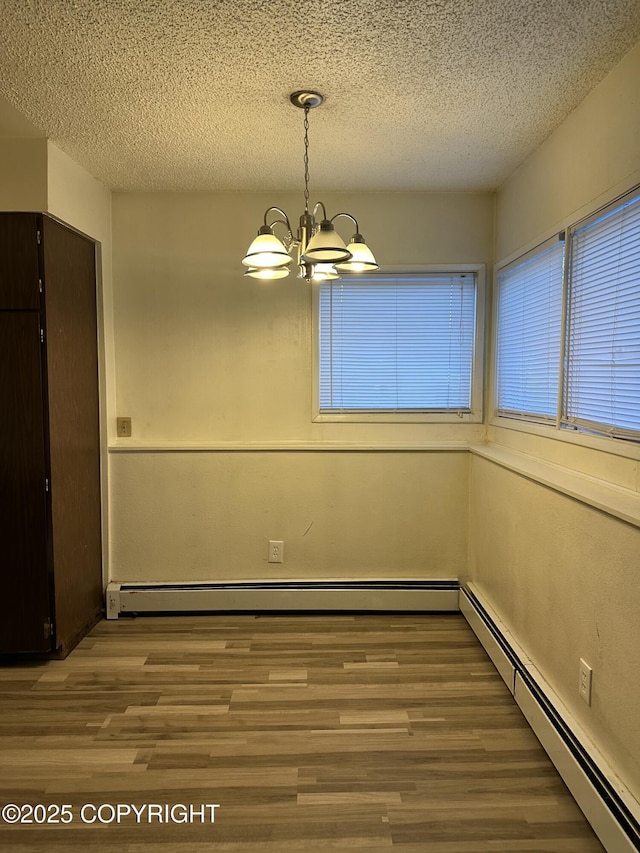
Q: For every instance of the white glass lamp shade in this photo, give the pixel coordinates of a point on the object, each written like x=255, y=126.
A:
x=326, y=246
x=361, y=259
x=325, y=272
x=266, y=251
x=268, y=273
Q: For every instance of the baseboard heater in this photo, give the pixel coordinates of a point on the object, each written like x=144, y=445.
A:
x=607, y=804
x=300, y=596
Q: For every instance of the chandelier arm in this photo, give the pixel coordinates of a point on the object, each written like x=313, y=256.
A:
x=324, y=210
x=349, y=216
x=280, y=222
x=284, y=221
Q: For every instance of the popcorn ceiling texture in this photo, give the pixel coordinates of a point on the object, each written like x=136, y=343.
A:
x=193, y=94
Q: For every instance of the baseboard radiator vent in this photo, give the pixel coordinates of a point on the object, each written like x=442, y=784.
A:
x=607, y=804
x=295, y=596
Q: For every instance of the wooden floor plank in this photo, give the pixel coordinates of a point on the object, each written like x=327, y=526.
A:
x=312, y=732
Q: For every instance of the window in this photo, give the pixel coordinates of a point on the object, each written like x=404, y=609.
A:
x=401, y=343
x=582, y=372
x=603, y=324
x=528, y=336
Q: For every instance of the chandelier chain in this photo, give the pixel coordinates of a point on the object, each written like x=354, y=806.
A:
x=306, y=159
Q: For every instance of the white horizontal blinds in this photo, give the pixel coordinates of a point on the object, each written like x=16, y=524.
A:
x=603, y=334
x=528, y=334
x=397, y=343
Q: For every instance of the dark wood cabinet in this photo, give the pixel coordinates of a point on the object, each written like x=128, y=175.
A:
x=51, y=588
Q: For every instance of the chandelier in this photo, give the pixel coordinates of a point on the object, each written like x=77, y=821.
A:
x=319, y=251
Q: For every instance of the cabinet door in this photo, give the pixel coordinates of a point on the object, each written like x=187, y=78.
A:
x=19, y=261
x=24, y=574
x=74, y=431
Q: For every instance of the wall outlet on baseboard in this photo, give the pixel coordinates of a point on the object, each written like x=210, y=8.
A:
x=276, y=551
x=584, y=684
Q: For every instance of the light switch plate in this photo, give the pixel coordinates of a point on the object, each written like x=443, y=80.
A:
x=123, y=427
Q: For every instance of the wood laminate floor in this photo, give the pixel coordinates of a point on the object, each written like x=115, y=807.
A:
x=379, y=733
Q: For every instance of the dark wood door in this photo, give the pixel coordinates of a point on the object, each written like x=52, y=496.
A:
x=19, y=261
x=24, y=569
x=74, y=434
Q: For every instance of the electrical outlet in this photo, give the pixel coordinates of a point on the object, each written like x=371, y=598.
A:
x=276, y=551
x=584, y=684
x=123, y=427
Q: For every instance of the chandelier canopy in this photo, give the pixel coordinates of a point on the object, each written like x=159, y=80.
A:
x=319, y=251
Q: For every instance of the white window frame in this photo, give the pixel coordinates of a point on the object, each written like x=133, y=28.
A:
x=475, y=415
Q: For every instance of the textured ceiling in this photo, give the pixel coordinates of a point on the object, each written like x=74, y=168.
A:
x=193, y=94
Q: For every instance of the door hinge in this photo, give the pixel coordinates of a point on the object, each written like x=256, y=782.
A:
x=48, y=628
x=41, y=336
x=38, y=237
x=46, y=484
x=40, y=285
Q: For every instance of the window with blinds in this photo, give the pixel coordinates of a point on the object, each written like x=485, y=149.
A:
x=397, y=343
x=602, y=369
x=582, y=372
x=529, y=325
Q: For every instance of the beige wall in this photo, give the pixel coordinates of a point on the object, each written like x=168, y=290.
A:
x=23, y=174
x=559, y=572
x=204, y=354
x=208, y=516
x=564, y=578
x=590, y=159
x=209, y=358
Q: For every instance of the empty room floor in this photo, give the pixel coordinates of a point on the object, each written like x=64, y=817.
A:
x=276, y=733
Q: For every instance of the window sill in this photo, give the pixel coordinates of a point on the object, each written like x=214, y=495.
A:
x=612, y=500
x=605, y=444
x=397, y=418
